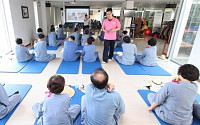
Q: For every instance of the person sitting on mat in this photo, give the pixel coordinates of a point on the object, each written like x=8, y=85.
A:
x=173, y=103
x=149, y=55
x=85, y=37
x=41, y=51
x=39, y=31
x=60, y=31
x=88, y=53
x=76, y=35
x=55, y=109
x=129, y=52
x=22, y=53
x=52, y=38
x=119, y=44
x=8, y=103
x=70, y=48
x=99, y=94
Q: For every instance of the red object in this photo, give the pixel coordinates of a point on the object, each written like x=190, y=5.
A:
x=174, y=80
x=147, y=32
x=49, y=93
x=155, y=36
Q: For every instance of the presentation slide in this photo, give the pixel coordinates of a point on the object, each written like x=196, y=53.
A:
x=76, y=15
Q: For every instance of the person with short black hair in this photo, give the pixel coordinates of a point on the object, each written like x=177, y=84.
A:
x=85, y=37
x=173, y=103
x=119, y=43
x=53, y=41
x=52, y=26
x=70, y=50
x=22, y=53
x=41, y=51
x=99, y=93
x=76, y=35
x=110, y=26
x=39, y=31
x=149, y=55
x=129, y=52
x=88, y=53
x=56, y=108
x=60, y=32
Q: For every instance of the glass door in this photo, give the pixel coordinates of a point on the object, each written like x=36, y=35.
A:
x=185, y=44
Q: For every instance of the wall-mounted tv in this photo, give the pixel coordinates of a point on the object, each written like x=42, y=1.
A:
x=129, y=13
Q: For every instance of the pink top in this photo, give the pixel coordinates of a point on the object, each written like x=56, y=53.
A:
x=109, y=25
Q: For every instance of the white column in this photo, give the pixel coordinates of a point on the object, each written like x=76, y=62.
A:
x=44, y=16
x=35, y=7
x=48, y=17
x=64, y=14
x=126, y=21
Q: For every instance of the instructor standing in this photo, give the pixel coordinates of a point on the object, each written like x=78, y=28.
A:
x=86, y=22
x=110, y=26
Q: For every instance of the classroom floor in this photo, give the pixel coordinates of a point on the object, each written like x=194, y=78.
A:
x=136, y=110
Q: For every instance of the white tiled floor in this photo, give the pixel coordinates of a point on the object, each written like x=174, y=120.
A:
x=136, y=110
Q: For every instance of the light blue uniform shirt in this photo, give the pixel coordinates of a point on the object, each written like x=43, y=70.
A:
x=149, y=56
x=22, y=54
x=61, y=33
x=76, y=35
x=101, y=107
x=7, y=103
x=69, y=53
x=84, y=39
x=52, y=39
x=89, y=54
x=129, y=54
x=175, y=102
x=56, y=110
x=41, y=52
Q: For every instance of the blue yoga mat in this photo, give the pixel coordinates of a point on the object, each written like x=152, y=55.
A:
x=49, y=48
x=88, y=68
x=155, y=70
x=34, y=67
x=118, y=49
x=134, y=69
x=144, y=93
x=69, y=67
x=12, y=66
x=12, y=88
x=76, y=99
x=80, y=47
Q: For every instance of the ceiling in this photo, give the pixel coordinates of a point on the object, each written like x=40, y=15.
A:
x=98, y=4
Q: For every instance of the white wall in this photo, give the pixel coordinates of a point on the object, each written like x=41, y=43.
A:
x=58, y=16
x=23, y=27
